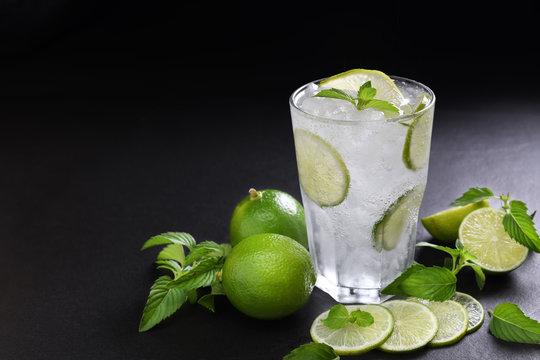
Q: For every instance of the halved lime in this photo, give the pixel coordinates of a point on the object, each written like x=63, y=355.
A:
x=444, y=225
x=418, y=139
x=482, y=233
x=353, y=339
x=388, y=231
x=474, y=309
x=321, y=169
x=453, y=320
x=353, y=79
x=415, y=325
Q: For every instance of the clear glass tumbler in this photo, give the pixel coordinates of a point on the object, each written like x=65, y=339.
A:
x=362, y=177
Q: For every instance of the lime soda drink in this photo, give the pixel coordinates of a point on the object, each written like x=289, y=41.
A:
x=362, y=176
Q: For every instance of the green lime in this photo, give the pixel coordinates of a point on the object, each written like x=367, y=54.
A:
x=268, y=276
x=474, y=309
x=444, y=225
x=418, y=139
x=353, y=79
x=483, y=234
x=453, y=320
x=389, y=230
x=415, y=325
x=321, y=169
x=268, y=211
x=353, y=339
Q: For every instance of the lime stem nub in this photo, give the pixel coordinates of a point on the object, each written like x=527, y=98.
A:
x=254, y=194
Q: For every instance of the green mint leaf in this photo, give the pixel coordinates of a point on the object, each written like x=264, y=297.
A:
x=338, y=317
x=361, y=318
x=453, y=252
x=509, y=323
x=312, y=351
x=479, y=275
x=172, y=252
x=466, y=255
x=394, y=289
x=448, y=263
x=381, y=105
x=170, y=265
x=519, y=225
x=473, y=195
x=180, y=238
x=431, y=283
x=192, y=296
x=336, y=94
x=162, y=302
x=366, y=92
x=208, y=302
x=194, y=279
x=204, y=249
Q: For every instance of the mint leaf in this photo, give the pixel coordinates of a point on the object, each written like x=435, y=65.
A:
x=170, y=265
x=208, y=302
x=509, y=323
x=180, y=238
x=381, y=105
x=312, y=351
x=338, y=317
x=519, y=225
x=453, y=252
x=473, y=195
x=172, y=252
x=162, y=302
x=479, y=275
x=394, y=289
x=366, y=92
x=336, y=94
x=361, y=318
x=431, y=283
x=204, y=249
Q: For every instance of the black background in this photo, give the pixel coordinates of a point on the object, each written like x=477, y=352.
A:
x=122, y=120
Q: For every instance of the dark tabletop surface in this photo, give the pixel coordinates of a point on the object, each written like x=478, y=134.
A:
x=110, y=137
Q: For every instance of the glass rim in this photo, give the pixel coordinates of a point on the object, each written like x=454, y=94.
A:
x=353, y=122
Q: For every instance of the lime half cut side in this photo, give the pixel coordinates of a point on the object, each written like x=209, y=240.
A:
x=483, y=234
x=415, y=325
x=389, y=230
x=353, y=339
x=322, y=172
x=453, y=321
x=418, y=139
x=352, y=80
x=474, y=309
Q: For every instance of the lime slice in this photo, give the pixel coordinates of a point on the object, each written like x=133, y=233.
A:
x=415, y=325
x=418, y=139
x=475, y=310
x=321, y=169
x=444, y=225
x=453, y=320
x=389, y=230
x=482, y=233
x=353, y=339
x=353, y=79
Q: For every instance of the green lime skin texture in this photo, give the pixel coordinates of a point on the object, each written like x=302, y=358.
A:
x=268, y=211
x=268, y=276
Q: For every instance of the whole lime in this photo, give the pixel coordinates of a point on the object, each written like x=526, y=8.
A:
x=268, y=276
x=268, y=211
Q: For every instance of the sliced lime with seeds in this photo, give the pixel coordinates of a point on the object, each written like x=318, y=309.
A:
x=482, y=233
x=474, y=309
x=389, y=230
x=321, y=169
x=415, y=325
x=453, y=320
x=352, y=338
x=418, y=139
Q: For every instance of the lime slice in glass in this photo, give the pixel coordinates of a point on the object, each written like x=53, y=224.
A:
x=415, y=325
x=474, y=309
x=482, y=233
x=321, y=169
x=453, y=320
x=444, y=225
x=389, y=230
x=353, y=339
x=418, y=139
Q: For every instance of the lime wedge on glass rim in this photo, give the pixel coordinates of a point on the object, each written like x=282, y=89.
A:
x=453, y=320
x=417, y=141
x=474, y=309
x=482, y=233
x=322, y=172
x=415, y=325
x=353, y=339
x=387, y=232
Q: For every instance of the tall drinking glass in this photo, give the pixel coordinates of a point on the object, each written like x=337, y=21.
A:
x=362, y=177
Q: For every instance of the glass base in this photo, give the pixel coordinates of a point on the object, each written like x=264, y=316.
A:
x=348, y=295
